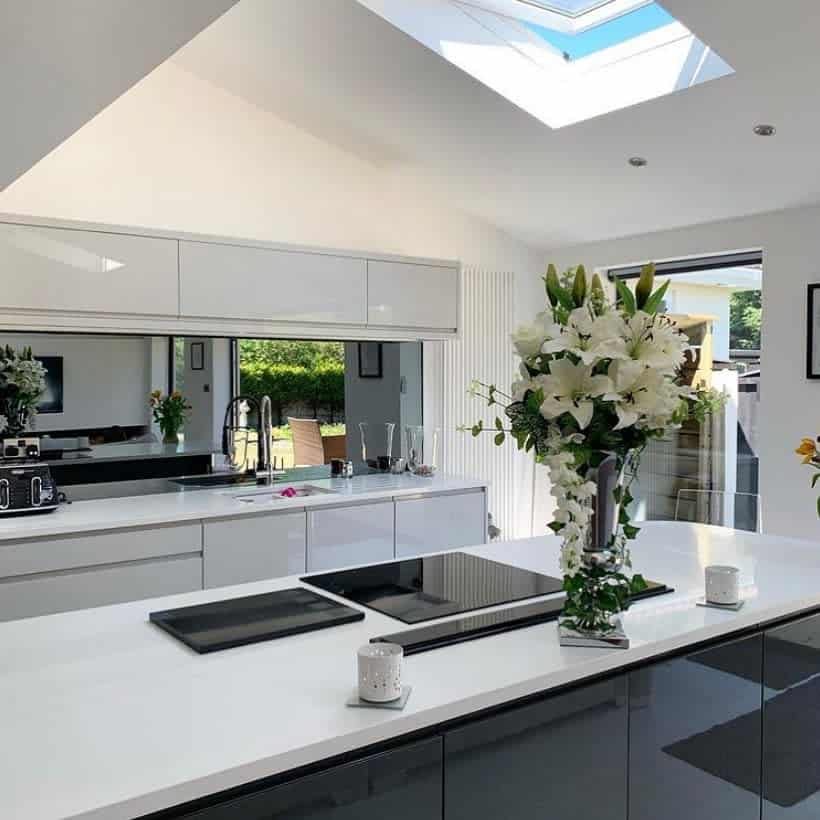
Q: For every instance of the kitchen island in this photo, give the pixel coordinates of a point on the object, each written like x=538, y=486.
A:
x=106, y=717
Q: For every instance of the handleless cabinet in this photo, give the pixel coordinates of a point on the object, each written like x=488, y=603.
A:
x=432, y=523
x=791, y=721
x=253, y=548
x=695, y=735
x=403, y=294
x=564, y=757
x=356, y=534
x=403, y=784
x=239, y=282
x=44, y=269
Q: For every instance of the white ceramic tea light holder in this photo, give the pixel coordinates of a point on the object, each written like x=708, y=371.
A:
x=722, y=587
x=380, y=672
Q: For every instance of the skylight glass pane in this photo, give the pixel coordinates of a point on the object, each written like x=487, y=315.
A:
x=570, y=7
x=611, y=33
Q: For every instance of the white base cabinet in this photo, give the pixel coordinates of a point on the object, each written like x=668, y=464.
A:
x=27, y=596
x=355, y=534
x=431, y=523
x=253, y=548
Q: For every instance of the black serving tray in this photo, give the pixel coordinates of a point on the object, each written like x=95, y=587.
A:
x=238, y=621
x=491, y=623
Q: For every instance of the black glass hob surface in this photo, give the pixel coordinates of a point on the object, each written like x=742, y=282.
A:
x=421, y=589
x=253, y=618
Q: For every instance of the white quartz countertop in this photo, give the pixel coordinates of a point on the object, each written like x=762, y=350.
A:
x=133, y=450
x=104, y=716
x=194, y=505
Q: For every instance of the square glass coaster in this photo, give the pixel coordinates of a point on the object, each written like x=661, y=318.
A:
x=727, y=607
x=355, y=701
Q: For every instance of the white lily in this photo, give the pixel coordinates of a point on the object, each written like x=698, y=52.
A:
x=570, y=388
x=528, y=338
x=591, y=337
x=655, y=341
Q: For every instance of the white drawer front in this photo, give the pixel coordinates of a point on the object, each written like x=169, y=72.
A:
x=440, y=522
x=253, y=548
x=89, y=549
x=342, y=536
x=60, y=592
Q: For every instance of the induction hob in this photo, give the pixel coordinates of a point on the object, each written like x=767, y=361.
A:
x=421, y=589
x=253, y=618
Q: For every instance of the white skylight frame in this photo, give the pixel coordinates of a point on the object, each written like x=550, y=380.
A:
x=537, y=11
x=505, y=55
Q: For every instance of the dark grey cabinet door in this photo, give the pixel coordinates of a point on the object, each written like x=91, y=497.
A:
x=695, y=735
x=404, y=784
x=791, y=721
x=563, y=758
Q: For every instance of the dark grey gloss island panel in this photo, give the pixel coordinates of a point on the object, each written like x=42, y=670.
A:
x=403, y=784
x=565, y=757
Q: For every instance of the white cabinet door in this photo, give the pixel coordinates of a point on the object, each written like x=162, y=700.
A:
x=76, y=270
x=232, y=281
x=253, y=548
x=432, y=523
x=401, y=294
x=26, y=596
x=342, y=536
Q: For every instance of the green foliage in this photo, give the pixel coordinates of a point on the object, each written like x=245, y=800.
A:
x=291, y=353
x=745, y=317
x=643, y=290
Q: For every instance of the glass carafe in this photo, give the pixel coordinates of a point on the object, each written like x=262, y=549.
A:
x=421, y=450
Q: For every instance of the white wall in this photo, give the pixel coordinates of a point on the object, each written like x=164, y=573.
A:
x=178, y=153
x=106, y=381
x=788, y=406
x=704, y=300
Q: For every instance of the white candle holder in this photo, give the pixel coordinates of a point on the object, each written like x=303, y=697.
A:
x=722, y=585
x=380, y=672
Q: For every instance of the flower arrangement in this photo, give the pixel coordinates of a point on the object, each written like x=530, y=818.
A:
x=22, y=384
x=598, y=381
x=170, y=413
x=811, y=456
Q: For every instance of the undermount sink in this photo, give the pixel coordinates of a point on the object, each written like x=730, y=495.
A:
x=269, y=495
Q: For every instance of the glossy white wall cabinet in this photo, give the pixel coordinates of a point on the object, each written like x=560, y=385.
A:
x=87, y=271
x=342, y=536
x=402, y=294
x=433, y=523
x=240, y=282
x=26, y=596
x=253, y=548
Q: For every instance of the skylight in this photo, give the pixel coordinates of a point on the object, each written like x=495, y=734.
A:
x=563, y=61
x=625, y=27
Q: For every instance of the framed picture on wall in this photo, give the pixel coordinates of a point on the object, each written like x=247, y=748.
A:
x=197, y=355
x=813, y=333
x=52, y=400
x=370, y=360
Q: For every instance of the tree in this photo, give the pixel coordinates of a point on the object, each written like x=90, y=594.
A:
x=745, y=315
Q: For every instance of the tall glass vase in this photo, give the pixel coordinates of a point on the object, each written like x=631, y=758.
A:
x=598, y=592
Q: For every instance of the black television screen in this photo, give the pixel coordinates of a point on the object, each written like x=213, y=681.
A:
x=52, y=401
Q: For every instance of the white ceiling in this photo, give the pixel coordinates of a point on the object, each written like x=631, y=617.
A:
x=62, y=62
x=344, y=74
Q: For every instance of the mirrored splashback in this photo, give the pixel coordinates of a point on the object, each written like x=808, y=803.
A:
x=136, y=410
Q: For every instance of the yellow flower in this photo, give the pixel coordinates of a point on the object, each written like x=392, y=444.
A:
x=807, y=449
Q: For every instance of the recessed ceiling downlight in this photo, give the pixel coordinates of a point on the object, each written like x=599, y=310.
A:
x=765, y=130
x=638, y=162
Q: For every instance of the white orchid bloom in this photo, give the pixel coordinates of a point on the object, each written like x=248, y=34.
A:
x=520, y=388
x=529, y=338
x=570, y=388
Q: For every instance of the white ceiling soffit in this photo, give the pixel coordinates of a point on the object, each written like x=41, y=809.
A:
x=505, y=53
x=63, y=62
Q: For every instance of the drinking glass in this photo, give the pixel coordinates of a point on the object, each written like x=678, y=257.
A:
x=421, y=451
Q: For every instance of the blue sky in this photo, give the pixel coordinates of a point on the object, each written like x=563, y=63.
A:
x=642, y=20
